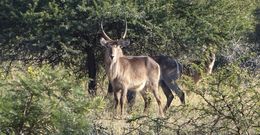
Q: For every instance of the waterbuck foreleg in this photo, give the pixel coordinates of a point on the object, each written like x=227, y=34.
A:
x=110, y=88
x=131, y=95
x=117, y=95
x=123, y=100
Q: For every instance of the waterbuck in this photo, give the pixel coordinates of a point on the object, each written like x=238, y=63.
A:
x=136, y=73
x=171, y=71
x=195, y=74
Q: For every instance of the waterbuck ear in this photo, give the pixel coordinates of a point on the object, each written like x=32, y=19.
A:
x=103, y=42
x=123, y=42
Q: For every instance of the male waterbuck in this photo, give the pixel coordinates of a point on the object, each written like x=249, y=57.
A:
x=136, y=73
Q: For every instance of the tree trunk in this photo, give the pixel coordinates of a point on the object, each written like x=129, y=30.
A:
x=92, y=69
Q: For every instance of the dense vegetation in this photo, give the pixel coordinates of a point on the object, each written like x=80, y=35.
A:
x=52, y=78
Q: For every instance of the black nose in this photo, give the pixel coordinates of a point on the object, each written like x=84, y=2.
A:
x=111, y=56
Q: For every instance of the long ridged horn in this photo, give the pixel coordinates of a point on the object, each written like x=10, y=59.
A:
x=125, y=30
x=104, y=33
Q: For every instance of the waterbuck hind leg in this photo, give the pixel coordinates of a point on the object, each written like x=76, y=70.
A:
x=173, y=86
x=158, y=98
x=180, y=93
x=147, y=100
x=168, y=93
x=131, y=96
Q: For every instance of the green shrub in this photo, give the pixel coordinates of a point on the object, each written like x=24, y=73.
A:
x=45, y=101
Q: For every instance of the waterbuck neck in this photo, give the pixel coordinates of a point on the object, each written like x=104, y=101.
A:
x=114, y=70
x=113, y=64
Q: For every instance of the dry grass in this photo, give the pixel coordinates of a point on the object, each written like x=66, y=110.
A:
x=106, y=121
x=195, y=117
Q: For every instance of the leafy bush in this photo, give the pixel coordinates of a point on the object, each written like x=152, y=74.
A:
x=230, y=102
x=45, y=101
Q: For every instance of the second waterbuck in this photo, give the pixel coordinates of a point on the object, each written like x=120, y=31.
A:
x=136, y=73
